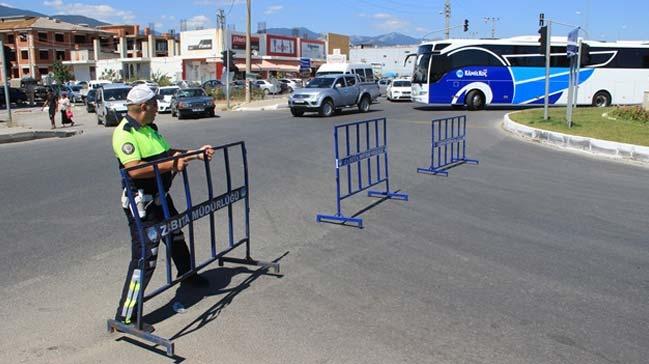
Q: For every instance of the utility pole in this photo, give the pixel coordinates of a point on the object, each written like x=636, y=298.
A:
x=247, y=50
x=5, y=66
x=493, y=25
x=447, y=18
x=221, y=24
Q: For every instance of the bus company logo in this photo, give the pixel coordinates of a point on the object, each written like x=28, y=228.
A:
x=476, y=73
x=459, y=73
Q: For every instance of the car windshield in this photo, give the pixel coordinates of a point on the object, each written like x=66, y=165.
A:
x=191, y=93
x=401, y=84
x=168, y=91
x=116, y=94
x=324, y=82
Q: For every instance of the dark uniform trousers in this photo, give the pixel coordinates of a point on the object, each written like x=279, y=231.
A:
x=179, y=255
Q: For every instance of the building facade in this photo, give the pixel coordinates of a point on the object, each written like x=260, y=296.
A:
x=36, y=42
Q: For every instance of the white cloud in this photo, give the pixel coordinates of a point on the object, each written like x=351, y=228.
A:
x=198, y=21
x=421, y=30
x=221, y=3
x=102, y=12
x=273, y=9
x=389, y=22
x=381, y=16
x=7, y=5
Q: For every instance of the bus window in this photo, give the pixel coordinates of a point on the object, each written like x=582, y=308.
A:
x=369, y=75
x=361, y=74
x=420, y=74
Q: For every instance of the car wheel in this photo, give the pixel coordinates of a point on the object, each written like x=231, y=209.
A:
x=327, y=108
x=296, y=112
x=173, y=113
x=211, y=113
x=266, y=92
x=475, y=100
x=364, y=104
x=602, y=99
x=180, y=116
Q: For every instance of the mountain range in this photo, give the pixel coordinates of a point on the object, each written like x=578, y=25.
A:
x=390, y=39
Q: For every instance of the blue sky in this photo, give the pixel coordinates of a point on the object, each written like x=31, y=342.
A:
x=608, y=20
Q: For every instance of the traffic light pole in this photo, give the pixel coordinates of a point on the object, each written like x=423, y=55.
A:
x=548, y=49
x=4, y=78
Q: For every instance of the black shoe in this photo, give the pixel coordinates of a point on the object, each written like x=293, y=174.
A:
x=197, y=281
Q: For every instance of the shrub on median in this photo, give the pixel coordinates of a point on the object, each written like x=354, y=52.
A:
x=635, y=113
x=218, y=93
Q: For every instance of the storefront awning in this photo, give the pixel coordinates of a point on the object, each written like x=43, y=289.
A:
x=269, y=66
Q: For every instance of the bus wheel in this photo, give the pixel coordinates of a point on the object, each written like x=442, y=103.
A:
x=475, y=100
x=602, y=99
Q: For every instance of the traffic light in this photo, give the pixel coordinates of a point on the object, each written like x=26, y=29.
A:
x=9, y=56
x=228, y=60
x=543, y=39
x=466, y=25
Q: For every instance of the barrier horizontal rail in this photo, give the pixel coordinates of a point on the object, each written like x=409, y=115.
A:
x=357, y=164
x=445, y=133
x=162, y=231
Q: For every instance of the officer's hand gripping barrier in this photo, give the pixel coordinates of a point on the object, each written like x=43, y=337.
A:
x=186, y=218
x=444, y=133
x=371, y=141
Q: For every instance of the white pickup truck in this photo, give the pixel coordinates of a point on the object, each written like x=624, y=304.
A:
x=331, y=93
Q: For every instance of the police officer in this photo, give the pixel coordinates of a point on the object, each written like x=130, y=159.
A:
x=136, y=141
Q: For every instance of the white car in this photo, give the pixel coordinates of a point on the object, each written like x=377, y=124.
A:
x=267, y=87
x=164, y=95
x=399, y=90
x=291, y=83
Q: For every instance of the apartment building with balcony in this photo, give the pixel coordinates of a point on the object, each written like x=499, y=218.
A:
x=36, y=42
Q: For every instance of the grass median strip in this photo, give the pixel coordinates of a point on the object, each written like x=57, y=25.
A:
x=587, y=122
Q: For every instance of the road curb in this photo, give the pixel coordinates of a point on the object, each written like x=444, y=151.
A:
x=596, y=147
x=36, y=134
x=263, y=108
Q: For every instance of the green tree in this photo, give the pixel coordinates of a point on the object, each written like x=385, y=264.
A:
x=161, y=79
x=61, y=72
x=109, y=75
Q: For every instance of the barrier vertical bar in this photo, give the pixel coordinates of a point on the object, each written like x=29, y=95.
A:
x=337, y=155
x=188, y=200
x=349, y=170
x=165, y=210
x=367, y=147
x=376, y=145
x=358, y=150
x=244, y=152
x=228, y=180
x=385, y=156
x=210, y=195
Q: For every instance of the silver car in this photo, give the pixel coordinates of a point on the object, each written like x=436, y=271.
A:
x=331, y=93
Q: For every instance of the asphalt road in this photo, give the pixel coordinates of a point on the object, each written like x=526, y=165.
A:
x=534, y=256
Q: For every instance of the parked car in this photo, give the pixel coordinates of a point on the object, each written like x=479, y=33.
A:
x=383, y=85
x=267, y=87
x=328, y=94
x=91, y=99
x=399, y=90
x=164, y=95
x=16, y=96
x=291, y=84
x=73, y=92
x=190, y=102
x=111, y=103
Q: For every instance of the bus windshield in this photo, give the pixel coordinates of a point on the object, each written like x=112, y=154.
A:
x=420, y=74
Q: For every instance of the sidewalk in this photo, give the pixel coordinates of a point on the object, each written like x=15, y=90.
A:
x=272, y=103
x=33, y=123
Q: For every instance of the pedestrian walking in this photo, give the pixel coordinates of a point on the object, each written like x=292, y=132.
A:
x=51, y=102
x=136, y=140
x=66, y=110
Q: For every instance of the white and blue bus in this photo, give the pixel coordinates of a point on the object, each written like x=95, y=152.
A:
x=477, y=73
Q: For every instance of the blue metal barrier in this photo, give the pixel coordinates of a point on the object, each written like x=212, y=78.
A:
x=371, y=139
x=163, y=230
x=445, y=133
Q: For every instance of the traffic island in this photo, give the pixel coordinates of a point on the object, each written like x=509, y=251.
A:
x=594, y=131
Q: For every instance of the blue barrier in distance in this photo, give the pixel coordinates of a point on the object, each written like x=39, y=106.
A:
x=447, y=132
x=163, y=230
x=356, y=165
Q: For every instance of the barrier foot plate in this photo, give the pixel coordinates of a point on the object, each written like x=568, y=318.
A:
x=114, y=325
x=432, y=171
x=250, y=261
x=390, y=195
x=340, y=219
x=467, y=161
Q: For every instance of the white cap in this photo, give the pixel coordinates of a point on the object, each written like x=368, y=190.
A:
x=139, y=95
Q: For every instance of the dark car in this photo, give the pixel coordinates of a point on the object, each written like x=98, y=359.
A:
x=16, y=96
x=91, y=98
x=212, y=84
x=191, y=102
